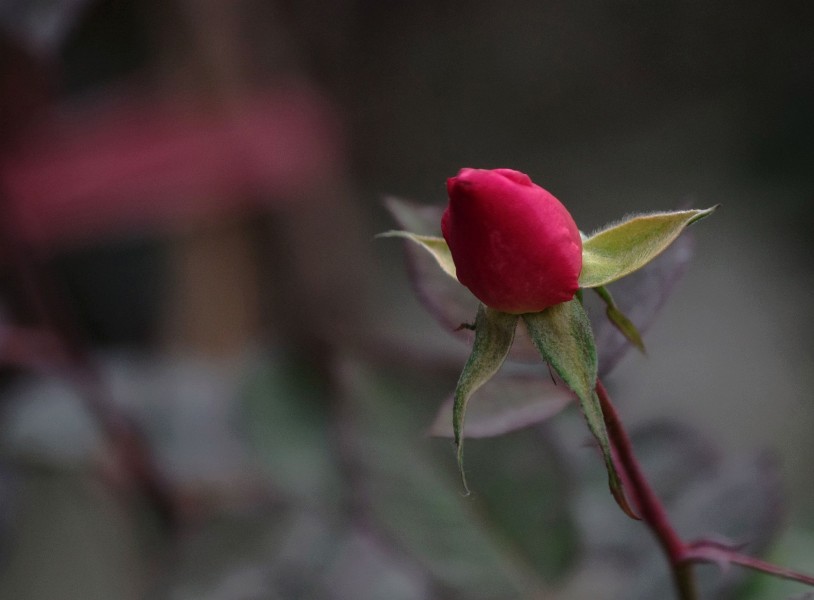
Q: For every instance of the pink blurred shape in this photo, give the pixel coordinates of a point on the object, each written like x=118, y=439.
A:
x=133, y=163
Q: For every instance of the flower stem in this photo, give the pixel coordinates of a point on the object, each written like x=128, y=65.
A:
x=650, y=508
x=680, y=554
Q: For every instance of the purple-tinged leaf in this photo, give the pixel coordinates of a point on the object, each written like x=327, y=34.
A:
x=447, y=300
x=423, y=219
x=506, y=403
x=640, y=296
x=705, y=494
x=709, y=551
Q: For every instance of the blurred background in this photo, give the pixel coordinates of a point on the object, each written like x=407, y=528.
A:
x=215, y=384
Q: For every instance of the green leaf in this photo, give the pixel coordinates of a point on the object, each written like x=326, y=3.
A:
x=562, y=334
x=620, y=249
x=437, y=246
x=494, y=334
x=619, y=319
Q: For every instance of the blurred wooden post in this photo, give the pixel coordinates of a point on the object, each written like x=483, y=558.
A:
x=214, y=296
x=216, y=299
x=214, y=306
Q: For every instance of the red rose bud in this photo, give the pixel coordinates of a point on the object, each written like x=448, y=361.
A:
x=515, y=246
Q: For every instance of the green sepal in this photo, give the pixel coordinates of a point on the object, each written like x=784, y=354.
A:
x=619, y=319
x=494, y=334
x=563, y=336
x=620, y=249
x=437, y=246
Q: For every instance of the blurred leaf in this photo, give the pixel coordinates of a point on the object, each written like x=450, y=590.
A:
x=416, y=504
x=289, y=428
x=675, y=456
x=71, y=540
x=289, y=551
x=525, y=493
x=424, y=219
x=236, y=556
x=620, y=249
x=449, y=301
x=562, y=334
x=287, y=554
x=494, y=333
x=506, y=403
x=739, y=501
x=364, y=569
x=189, y=409
x=46, y=418
x=736, y=500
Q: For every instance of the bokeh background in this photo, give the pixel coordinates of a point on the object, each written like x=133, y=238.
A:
x=216, y=384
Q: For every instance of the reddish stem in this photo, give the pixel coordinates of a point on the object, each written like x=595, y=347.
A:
x=680, y=554
x=711, y=552
x=650, y=507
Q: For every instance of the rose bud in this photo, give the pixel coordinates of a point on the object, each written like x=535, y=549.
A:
x=515, y=246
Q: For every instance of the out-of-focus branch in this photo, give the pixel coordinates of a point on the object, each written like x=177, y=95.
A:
x=55, y=334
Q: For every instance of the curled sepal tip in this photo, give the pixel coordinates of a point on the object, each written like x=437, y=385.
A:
x=562, y=334
x=494, y=334
x=625, y=247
